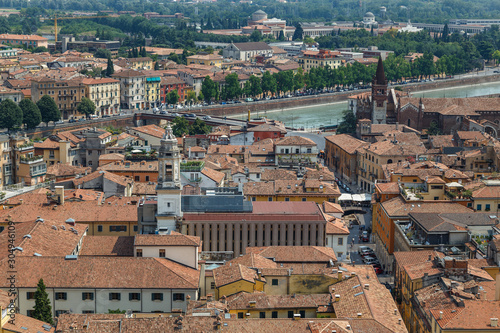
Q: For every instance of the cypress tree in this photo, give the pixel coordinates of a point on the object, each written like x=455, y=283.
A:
x=42, y=310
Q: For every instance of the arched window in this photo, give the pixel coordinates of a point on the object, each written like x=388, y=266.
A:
x=389, y=161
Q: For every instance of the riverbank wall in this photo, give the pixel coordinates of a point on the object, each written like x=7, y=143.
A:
x=294, y=102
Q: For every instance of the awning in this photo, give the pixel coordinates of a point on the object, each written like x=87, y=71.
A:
x=345, y=197
x=454, y=184
x=356, y=198
x=366, y=197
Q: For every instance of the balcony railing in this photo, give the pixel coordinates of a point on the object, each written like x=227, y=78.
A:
x=25, y=147
x=38, y=172
x=31, y=159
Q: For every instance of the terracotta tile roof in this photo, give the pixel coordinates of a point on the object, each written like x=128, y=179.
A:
x=104, y=80
x=112, y=157
x=253, y=260
x=330, y=207
x=197, y=149
x=475, y=315
x=66, y=170
x=295, y=254
x=81, y=194
x=167, y=240
x=389, y=148
x=152, y=130
x=46, y=238
x=324, y=175
x=294, y=141
x=80, y=211
x=454, y=106
x=25, y=324
x=403, y=258
x=262, y=301
x=352, y=299
x=108, y=246
x=231, y=273
x=440, y=141
x=104, y=272
x=346, y=142
x=471, y=135
x=486, y=192
x=291, y=188
x=398, y=207
x=144, y=189
x=278, y=174
x=267, y=128
x=118, y=166
x=117, y=179
x=388, y=188
x=336, y=228
x=418, y=271
x=214, y=175
x=47, y=144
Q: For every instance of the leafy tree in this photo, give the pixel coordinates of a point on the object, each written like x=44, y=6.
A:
x=86, y=107
x=180, y=126
x=117, y=311
x=232, y=87
x=11, y=114
x=434, y=129
x=157, y=66
x=110, y=69
x=48, y=109
x=31, y=113
x=199, y=127
x=102, y=53
x=42, y=310
x=496, y=56
x=486, y=49
x=255, y=85
x=256, y=36
x=40, y=49
x=297, y=35
x=268, y=83
x=191, y=96
x=348, y=124
x=173, y=97
x=208, y=88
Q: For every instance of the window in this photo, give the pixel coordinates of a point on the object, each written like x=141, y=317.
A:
x=254, y=198
x=61, y=296
x=115, y=296
x=240, y=315
x=87, y=296
x=30, y=313
x=274, y=314
x=290, y=314
x=270, y=199
x=60, y=312
x=134, y=296
x=147, y=178
x=87, y=311
x=99, y=228
x=341, y=241
x=30, y=295
x=138, y=253
x=212, y=285
x=157, y=297
x=137, y=178
x=436, y=198
x=178, y=297
x=302, y=313
x=436, y=187
x=262, y=314
x=479, y=207
x=287, y=199
x=136, y=228
x=326, y=241
x=487, y=207
x=275, y=282
x=304, y=199
x=118, y=228
x=161, y=253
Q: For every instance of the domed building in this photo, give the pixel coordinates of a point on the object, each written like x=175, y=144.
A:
x=369, y=19
x=259, y=15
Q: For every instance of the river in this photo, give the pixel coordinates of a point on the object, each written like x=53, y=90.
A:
x=331, y=114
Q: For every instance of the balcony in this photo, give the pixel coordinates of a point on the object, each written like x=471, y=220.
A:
x=32, y=159
x=192, y=166
x=25, y=147
x=38, y=171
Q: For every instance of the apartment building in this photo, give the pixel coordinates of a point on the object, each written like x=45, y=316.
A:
x=100, y=284
x=341, y=155
x=141, y=63
x=205, y=60
x=169, y=83
x=321, y=58
x=132, y=89
x=33, y=41
x=66, y=93
x=14, y=95
x=105, y=93
x=152, y=96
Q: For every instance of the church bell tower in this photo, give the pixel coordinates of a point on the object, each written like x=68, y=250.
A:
x=169, y=189
x=379, y=95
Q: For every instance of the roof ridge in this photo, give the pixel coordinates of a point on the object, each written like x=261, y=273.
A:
x=161, y=262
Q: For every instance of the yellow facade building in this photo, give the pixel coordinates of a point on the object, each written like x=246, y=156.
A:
x=152, y=94
x=205, y=59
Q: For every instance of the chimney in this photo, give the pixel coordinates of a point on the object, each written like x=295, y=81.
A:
x=367, y=286
x=494, y=322
x=440, y=315
x=296, y=316
x=337, y=297
x=360, y=314
x=60, y=194
x=340, y=275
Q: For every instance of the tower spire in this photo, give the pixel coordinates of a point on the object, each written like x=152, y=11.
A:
x=380, y=75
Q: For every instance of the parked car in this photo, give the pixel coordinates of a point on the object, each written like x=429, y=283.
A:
x=367, y=253
x=370, y=260
x=72, y=120
x=378, y=270
x=163, y=112
x=175, y=114
x=249, y=99
x=363, y=248
x=207, y=118
x=105, y=116
x=81, y=119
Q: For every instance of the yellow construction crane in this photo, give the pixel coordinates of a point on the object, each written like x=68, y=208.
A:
x=68, y=18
